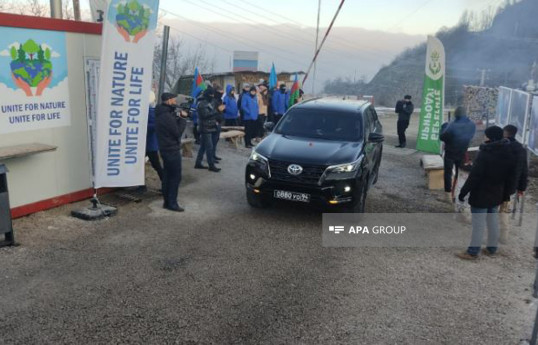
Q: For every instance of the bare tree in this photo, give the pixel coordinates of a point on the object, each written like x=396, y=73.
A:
x=67, y=10
x=180, y=61
x=31, y=7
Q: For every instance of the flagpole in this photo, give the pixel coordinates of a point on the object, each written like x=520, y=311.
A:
x=323, y=41
x=164, y=58
x=315, y=50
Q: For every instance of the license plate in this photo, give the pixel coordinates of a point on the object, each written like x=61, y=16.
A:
x=292, y=196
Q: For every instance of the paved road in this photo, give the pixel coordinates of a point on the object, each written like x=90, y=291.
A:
x=223, y=273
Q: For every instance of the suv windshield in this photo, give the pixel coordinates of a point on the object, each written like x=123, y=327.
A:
x=321, y=124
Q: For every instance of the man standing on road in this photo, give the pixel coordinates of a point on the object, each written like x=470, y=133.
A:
x=249, y=105
x=169, y=128
x=521, y=176
x=457, y=137
x=231, y=111
x=208, y=113
x=404, y=109
x=281, y=100
x=491, y=179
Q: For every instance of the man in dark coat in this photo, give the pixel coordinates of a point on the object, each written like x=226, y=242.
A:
x=457, y=137
x=490, y=182
x=521, y=178
x=169, y=127
x=152, y=145
x=404, y=109
x=208, y=113
x=219, y=95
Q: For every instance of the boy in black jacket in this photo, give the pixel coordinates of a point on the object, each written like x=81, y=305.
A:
x=404, y=109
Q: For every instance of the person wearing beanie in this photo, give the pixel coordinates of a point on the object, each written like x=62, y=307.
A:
x=208, y=113
x=280, y=103
x=244, y=91
x=249, y=105
x=457, y=136
x=169, y=128
x=263, y=99
x=490, y=182
x=404, y=109
x=521, y=177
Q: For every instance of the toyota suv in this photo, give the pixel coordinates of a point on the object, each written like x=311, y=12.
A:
x=324, y=152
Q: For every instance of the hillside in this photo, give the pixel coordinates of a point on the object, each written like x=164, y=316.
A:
x=507, y=50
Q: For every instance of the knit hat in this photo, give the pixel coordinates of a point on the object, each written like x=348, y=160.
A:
x=167, y=95
x=407, y=97
x=494, y=133
x=459, y=112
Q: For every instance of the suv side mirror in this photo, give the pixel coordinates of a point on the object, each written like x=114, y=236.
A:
x=269, y=126
x=376, y=138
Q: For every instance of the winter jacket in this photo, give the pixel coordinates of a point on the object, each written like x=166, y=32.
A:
x=404, y=110
x=492, y=176
x=457, y=137
x=230, y=113
x=262, y=103
x=240, y=102
x=522, y=170
x=152, y=144
x=208, y=115
x=281, y=102
x=169, y=128
x=249, y=105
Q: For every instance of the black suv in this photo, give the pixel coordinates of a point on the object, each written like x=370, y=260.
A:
x=323, y=151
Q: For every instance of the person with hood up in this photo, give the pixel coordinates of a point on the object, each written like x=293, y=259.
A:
x=219, y=95
x=457, y=136
x=490, y=182
x=249, y=105
x=231, y=112
x=521, y=178
x=404, y=109
x=281, y=100
x=170, y=127
x=245, y=91
x=263, y=99
x=208, y=113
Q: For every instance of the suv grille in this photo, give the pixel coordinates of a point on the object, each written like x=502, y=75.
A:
x=310, y=175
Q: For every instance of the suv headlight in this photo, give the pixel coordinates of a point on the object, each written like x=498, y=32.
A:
x=342, y=171
x=255, y=156
x=261, y=161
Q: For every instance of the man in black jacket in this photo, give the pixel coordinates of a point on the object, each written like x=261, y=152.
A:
x=457, y=137
x=404, y=109
x=169, y=127
x=521, y=178
x=208, y=112
x=490, y=182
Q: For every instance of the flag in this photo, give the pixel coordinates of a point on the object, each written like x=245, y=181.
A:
x=294, y=93
x=198, y=84
x=272, y=78
x=433, y=98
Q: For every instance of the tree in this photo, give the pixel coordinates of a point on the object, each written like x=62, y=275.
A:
x=13, y=52
x=40, y=55
x=180, y=61
x=47, y=54
x=30, y=47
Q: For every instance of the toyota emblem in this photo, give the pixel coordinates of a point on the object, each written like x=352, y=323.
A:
x=295, y=169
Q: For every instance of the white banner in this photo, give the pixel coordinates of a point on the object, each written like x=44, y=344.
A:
x=124, y=86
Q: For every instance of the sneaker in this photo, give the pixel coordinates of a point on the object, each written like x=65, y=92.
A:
x=218, y=158
x=214, y=169
x=176, y=208
x=486, y=252
x=200, y=166
x=398, y=146
x=466, y=256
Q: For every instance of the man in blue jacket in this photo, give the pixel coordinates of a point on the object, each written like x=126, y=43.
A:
x=280, y=103
x=249, y=106
x=231, y=111
x=457, y=137
x=152, y=145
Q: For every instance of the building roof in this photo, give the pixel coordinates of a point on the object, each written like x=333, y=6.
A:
x=229, y=74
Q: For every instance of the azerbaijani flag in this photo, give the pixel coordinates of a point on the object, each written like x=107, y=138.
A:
x=294, y=93
x=272, y=78
x=198, y=84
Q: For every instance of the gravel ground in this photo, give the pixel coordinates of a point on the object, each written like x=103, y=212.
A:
x=223, y=273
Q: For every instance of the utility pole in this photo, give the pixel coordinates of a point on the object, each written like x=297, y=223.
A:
x=56, y=9
x=164, y=58
x=483, y=78
x=315, y=50
x=76, y=10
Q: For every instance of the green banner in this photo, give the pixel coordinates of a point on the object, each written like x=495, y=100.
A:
x=433, y=97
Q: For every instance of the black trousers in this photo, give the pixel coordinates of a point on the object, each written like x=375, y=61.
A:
x=171, y=177
x=276, y=118
x=402, y=126
x=195, y=133
x=449, y=164
x=261, y=129
x=215, y=136
x=230, y=122
x=155, y=162
x=250, y=131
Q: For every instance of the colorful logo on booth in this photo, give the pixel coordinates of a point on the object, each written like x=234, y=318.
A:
x=132, y=20
x=435, y=63
x=31, y=66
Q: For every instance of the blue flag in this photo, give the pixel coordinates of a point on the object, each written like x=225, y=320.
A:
x=272, y=78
